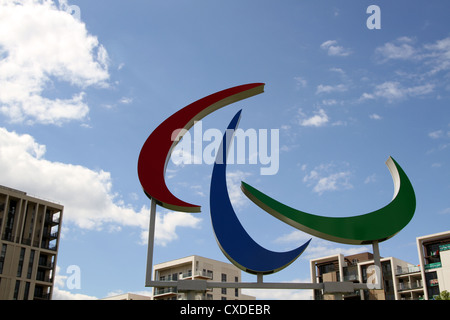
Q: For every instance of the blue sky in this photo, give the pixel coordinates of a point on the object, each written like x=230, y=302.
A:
x=80, y=93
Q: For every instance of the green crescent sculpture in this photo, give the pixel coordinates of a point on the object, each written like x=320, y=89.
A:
x=378, y=225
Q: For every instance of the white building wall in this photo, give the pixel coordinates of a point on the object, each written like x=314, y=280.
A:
x=444, y=272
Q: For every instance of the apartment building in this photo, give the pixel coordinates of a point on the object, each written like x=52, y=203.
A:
x=128, y=296
x=198, y=268
x=401, y=280
x=434, y=256
x=397, y=276
x=29, y=238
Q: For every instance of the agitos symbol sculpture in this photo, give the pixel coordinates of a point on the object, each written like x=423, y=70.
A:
x=232, y=238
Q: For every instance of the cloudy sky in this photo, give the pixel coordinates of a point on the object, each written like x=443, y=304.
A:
x=83, y=84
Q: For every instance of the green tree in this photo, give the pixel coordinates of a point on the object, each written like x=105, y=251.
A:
x=445, y=295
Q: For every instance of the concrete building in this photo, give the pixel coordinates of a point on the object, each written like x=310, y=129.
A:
x=396, y=274
x=29, y=238
x=196, y=267
x=128, y=296
x=434, y=256
x=401, y=280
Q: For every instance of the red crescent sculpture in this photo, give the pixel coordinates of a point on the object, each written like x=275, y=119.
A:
x=158, y=147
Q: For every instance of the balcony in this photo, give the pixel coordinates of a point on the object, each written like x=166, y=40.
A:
x=351, y=277
x=410, y=285
x=412, y=269
x=165, y=292
x=52, y=221
x=197, y=275
x=45, y=264
x=46, y=279
x=51, y=235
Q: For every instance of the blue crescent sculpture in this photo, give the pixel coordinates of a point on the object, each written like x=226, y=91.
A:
x=232, y=238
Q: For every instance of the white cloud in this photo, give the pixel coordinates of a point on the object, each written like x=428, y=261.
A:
x=87, y=195
x=322, y=178
x=393, y=91
x=166, y=225
x=375, y=116
x=329, y=89
x=370, y=179
x=282, y=294
x=39, y=46
x=398, y=49
x=366, y=96
x=334, y=50
x=319, y=119
x=338, y=70
x=319, y=247
x=60, y=294
x=436, y=134
x=126, y=100
x=436, y=56
x=329, y=102
x=300, y=82
x=390, y=91
x=234, y=179
x=293, y=237
x=439, y=55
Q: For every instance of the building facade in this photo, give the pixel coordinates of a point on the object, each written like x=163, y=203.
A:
x=29, y=238
x=434, y=256
x=401, y=280
x=128, y=296
x=198, y=268
x=397, y=276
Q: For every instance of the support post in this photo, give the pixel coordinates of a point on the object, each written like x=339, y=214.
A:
x=259, y=278
x=377, y=263
x=151, y=236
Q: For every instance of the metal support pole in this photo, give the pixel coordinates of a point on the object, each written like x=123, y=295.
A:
x=151, y=236
x=377, y=263
x=259, y=278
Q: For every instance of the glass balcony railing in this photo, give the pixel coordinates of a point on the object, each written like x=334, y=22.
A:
x=410, y=285
x=160, y=291
x=196, y=274
x=351, y=277
x=411, y=269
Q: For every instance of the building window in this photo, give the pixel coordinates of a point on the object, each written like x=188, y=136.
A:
x=224, y=290
x=20, y=265
x=16, y=290
x=30, y=264
x=10, y=221
x=2, y=257
x=40, y=275
x=224, y=277
x=27, y=291
x=236, y=292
